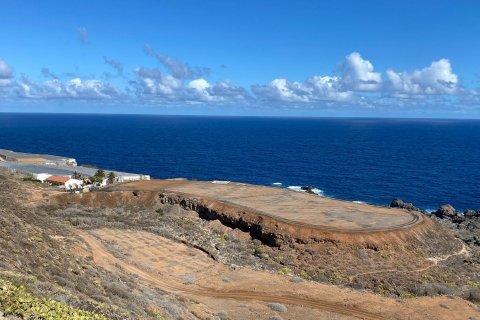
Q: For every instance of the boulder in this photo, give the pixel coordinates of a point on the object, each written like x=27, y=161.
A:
x=469, y=213
x=458, y=218
x=307, y=189
x=445, y=211
x=399, y=203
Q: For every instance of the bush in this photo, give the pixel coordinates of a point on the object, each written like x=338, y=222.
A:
x=303, y=274
x=15, y=300
x=285, y=270
x=432, y=289
x=277, y=307
x=407, y=295
x=258, y=251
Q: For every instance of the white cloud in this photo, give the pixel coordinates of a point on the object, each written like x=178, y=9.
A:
x=169, y=85
x=327, y=88
x=356, y=84
x=436, y=79
x=315, y=89
x=230, y=92
x=153, y=86
x=6, y=75
x=200, y=89
x=357, y=74
x=74, y=89
x=153, y=82
x=281, y=90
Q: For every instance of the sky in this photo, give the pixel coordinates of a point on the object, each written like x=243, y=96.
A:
x=366, y=58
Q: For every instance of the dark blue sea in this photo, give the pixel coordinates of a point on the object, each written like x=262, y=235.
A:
x=427, y=162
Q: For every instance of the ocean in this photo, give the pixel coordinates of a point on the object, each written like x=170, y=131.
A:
x=427, y=162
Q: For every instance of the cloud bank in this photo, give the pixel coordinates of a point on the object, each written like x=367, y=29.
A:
x=354, y=82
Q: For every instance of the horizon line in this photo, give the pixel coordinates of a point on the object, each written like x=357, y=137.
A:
x=237, y=116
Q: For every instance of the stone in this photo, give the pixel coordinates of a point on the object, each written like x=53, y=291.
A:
x=445, y=211
x=399, y=203
x=469, y=213
x=277, y=307
x=307, y=189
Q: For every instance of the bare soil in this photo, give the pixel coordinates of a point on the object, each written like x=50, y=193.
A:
x=184, y=270
x=129, y=255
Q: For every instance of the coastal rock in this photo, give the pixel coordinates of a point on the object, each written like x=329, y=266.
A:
x=445, y=211
x=399, y=203
x=469, y=214
x=308, y=189
x=458, y=218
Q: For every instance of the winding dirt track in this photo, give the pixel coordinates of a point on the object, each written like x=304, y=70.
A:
x=435, y=260
x=100, y=253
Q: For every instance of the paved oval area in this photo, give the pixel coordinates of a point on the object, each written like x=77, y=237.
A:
x=292, y=206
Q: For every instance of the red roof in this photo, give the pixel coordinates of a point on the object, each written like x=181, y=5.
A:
x=58, y=179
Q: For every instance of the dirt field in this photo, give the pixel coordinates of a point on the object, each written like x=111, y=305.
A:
x=294, y=248
x=284, y=204
x=241, y=293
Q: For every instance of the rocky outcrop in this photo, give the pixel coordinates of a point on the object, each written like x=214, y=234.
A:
x=308, y=189
x=466, y=225
x=445, y=211
x=399, y=203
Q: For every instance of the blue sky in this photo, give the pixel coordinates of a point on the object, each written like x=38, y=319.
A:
x=298, y=58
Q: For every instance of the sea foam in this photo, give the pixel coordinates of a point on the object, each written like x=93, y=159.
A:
x=299, y=189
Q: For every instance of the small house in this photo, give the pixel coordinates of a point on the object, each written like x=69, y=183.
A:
x=66, y=182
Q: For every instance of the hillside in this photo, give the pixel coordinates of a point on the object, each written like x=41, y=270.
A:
x=160, y=260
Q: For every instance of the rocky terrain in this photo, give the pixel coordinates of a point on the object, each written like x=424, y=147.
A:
x=161, y=260
x=466, y=224
x=426, y=261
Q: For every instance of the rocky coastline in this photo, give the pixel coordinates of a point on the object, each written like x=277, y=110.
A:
x=466, y=224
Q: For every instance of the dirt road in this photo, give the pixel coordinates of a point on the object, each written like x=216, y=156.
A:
x=166, y=264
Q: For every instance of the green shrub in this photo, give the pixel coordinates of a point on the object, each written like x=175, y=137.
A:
x=303, y=274
x=407, y=295
x=258, y=251
x=285, y=270
x=15, y=300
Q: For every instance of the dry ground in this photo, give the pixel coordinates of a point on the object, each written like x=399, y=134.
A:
x=240, y=293
x=135, y=262
x=285, y=204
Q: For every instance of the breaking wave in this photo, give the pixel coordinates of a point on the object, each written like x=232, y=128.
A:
x=299, y=189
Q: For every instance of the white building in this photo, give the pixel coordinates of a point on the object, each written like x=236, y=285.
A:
x=41, y=176
x=65, y=182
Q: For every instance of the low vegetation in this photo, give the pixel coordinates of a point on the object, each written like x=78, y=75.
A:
x=40, y=274
x=15, y=300
x=36, y=245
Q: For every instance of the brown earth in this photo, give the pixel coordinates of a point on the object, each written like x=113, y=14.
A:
x=396, y=254
x=275, y=215
x=389, y=251
x=183, y=270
